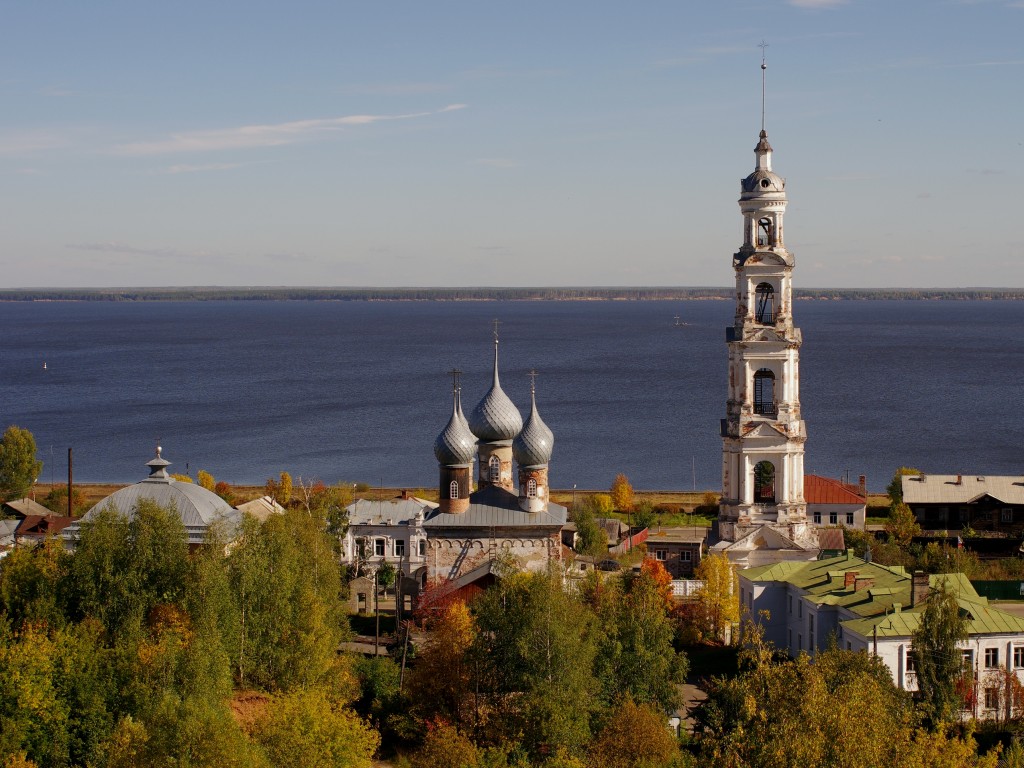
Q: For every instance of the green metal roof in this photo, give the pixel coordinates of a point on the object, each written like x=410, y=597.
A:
x=885, y=602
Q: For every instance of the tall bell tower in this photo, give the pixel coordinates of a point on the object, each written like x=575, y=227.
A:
x=763, y=433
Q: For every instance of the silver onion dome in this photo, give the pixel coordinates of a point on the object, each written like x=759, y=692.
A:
x=455, y=446
x=496, y=416
x=534, y=444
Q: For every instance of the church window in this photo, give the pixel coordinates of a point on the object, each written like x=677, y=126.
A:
x=453, y=490
x=765, y=232
x=764, y=393
x=494, y=469
x=531, y=488
x=764, y=483
x=765, y=296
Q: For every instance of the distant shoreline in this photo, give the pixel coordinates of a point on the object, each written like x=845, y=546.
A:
x=493, y=294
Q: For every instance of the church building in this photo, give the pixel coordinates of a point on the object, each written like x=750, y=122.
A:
x=510, y=512
x=763, y=514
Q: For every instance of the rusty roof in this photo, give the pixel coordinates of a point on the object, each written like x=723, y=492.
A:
x=825, y=490
x=831, y=538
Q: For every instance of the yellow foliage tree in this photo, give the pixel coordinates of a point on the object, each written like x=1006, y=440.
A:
x=445, y=747
x=622, y=494
x=635, y=737
x=206, y=480
x=181, y=478
x=718, y=601
x=285, y=489
x=307, y=728
x=440, y=680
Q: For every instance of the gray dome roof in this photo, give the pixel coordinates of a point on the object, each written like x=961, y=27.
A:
x=764, y=181
x=455, y=446
x=197, y=507
x=533, y=446
x=496, y=416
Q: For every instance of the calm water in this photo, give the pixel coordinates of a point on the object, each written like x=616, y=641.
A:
x=357, y=391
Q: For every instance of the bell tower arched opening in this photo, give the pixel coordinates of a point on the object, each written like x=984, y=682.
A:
x=764, y=296
x=764, y=483
x=764, y=393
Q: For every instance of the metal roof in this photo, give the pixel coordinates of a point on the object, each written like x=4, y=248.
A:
x=398, y=511
x=825, y=490
x=534, y=444
x=962, y=489
x=25, y=507
x=494, y=507
x=456, y=445
x=690, y=535
x=886, y=602
x=495, y=417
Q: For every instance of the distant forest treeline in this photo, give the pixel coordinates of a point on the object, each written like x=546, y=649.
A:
x=484, y=294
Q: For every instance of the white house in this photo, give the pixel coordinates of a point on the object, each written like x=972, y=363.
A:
x=876, y=609
x=832, y=502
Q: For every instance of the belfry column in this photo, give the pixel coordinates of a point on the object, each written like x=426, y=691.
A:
x=763, y=434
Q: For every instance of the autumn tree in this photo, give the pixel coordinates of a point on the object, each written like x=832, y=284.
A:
x=181, y=478
x=718, y=602
x=633, y=737
x=901, y=526
x=940, y=632
x=19, y=467
x=206, y=480
x=56, y=500
x=440, y=681
x=445, y=747
x=622, y=494
x=645, y=514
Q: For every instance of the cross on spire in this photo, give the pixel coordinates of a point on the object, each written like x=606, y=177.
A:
x=533, y=382
x=763, y=45
x=496, y=322
x=455, y=373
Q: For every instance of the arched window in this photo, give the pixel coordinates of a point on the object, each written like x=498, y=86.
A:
x=453, y=490
x=765, y=295
x=531, y=488
x=764, y=393
x=764, y=483
x=494, y=469
x=765, y=233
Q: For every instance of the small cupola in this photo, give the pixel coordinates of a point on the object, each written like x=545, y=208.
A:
x=158, y=469
x=495, y=417
x=532, y=450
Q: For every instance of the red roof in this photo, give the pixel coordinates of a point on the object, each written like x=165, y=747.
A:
x=825, y=490
x=831, y=538
x=38, y=526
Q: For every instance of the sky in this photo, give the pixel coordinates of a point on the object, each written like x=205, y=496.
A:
x=506, y=144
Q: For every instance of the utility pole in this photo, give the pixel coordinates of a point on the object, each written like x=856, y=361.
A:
x=376, y=611
x=70, y=514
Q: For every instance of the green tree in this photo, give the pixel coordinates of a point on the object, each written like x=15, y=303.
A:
x=591, y=538
x=895, y=486
x=622, y=494
x=533, y=661
x=440, y=681
x=645, y=515
x=636, y=658
x=30, y=585
x=940, y=632
x=19, y=467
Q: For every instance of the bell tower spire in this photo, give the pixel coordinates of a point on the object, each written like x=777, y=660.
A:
x=763, y=433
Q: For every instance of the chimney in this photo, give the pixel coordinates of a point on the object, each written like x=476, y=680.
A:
x=959, y=479
x=863, y=583
x=851, y=579
x=863, y=485
x=405, y=493
x=918, y=588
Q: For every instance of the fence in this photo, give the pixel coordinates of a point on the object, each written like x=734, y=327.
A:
x=686, y=587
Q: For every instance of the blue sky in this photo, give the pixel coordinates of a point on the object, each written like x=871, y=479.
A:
x=505, y=144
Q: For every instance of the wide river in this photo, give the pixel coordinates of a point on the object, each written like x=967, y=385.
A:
x=357, y=391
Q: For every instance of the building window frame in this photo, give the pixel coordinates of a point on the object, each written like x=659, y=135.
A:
x=833, y=518
x=379, y=547
x=399, y=548
x=849, y=518
x=817, y=517
x=423, y=547
x=494, y=469
x=531, y=489
x=453, y=489
x=686, y=556
x=661, y=554
x=991, y=658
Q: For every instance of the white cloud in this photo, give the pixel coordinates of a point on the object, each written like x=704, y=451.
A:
x=254, y=136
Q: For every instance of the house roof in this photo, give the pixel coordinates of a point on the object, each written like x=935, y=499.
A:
x=825, y=490
x=495, y=507
x=39, y=526
x=25, y=507
x=261, y=508
x=398, y=511
x=962, y=489
x=885, y=602
x=687, y=535
x=763, y=537
x=831, y=538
